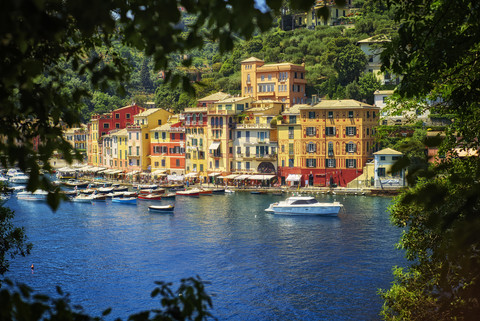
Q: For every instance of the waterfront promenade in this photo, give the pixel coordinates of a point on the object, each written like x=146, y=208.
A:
x=60, y=163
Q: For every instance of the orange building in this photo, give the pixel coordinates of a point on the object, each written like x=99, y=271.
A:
x=283, y=82
x=334, y=141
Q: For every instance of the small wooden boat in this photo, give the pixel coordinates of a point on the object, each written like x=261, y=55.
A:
x=147, y=186
x=105, y=190
x=149, y=197
x=75, y=183
x=161, y=208
x=130, y=194
x=258, y=192
x=120, y=189
x=152, y=191
x=87, y=191
x=99, y=197
x=125, y=200
x=192, y=192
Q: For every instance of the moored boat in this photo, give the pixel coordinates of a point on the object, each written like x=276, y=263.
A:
x=149, y=197
x=218, y=191
x=82, y=198
x=38, y=195
x=125, y=200
x=191, y=192
x=304, y=205
x=161, y=208
x=169, y=196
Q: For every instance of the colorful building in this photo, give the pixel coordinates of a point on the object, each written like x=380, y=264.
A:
x=195, y=123
x=255, y=139
x=336, y=141
x=221, y=120
x=100, y=125
x=167, y=148
x=211, y=99
x=283, y=82
x=139, y=137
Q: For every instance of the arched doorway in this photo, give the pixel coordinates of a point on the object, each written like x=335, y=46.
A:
x=266, y=168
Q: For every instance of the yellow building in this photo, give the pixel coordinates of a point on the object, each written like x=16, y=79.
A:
x=336, y=140
x=139, y=137
x=120, y=149
x=195, y=123
x=221, y=120
x=283, y=82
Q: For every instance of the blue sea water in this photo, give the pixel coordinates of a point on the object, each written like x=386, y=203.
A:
x=260, y=266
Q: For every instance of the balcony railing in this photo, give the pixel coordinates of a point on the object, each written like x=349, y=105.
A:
x=253, y=126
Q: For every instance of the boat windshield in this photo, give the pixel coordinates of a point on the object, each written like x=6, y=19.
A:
x=304, y=201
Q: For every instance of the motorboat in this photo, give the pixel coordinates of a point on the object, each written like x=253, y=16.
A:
x=82, y=198
x=218, y=191
x=161, y=208
x=105, y=190
x=38, y=195
x=98, y=197
x=169, y=196
x=76, y=183
x=190, y=192
x=147, y=186
x=203, y=191
x=120, y=188
x=229, y=191
x=150, y=197
x=125, y=200
x=152, y=191
x=304, y=205
x=18, y=178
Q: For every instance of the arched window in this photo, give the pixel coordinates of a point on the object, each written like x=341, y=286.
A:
x=330, y=149
x=216, y=121
x=311, y=147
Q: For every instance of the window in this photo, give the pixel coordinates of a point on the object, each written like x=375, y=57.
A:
x=381, y=172
x=290, y=162
x=368, y=131
x=156, y=135
x=368, y=114
x=239, y=134
x=330, y=163
x=117, y=125
x=130, y=150
x=330, y=114
x=247, y=136
x=351, y=148
x=311, y=131
x=164, y=135
x=374, y=115
x=117, y=116
x=311, y=147
x=330, y=131
x=262, y=77
x=311, y=162
x=247, y=151
x=351, y=131
x=163, y=163
x=146, y=136
x=177, y=162
x=290, y=148
x=350, y=114
x=106, y=125
x=137, y=135
x=290, y=132
x=293, y=119
x=138, y=150
x=330, y=149
x=283, y=148
x=156, y=164
x=311, y=115
x=239, y=150
x=382, y=158
x=269, y=77
x=239, y=165
x=247, y=165
x=351, y=163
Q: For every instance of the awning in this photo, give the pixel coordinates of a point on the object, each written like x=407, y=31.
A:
x=214, y=174
x=242, y=177
x=261, y=177
x=175, y=177
x=231, y=176
x=190, y=175
x=214, y=145
x=66, y=170
x=159, y=172
x=133, y=173
x=294, y=177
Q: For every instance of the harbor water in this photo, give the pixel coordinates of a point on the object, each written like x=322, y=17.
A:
x=259, y=266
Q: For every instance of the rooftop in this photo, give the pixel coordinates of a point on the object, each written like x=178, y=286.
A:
x=216, y=96
x=338, y=104
x=387, y=151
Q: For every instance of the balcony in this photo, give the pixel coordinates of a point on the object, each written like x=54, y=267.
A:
x=216, y=155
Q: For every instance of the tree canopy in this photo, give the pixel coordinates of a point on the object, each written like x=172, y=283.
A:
x=436, y=52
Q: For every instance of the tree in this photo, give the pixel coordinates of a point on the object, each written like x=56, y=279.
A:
x=13, y=240
x=436, y=51
x=350, y=63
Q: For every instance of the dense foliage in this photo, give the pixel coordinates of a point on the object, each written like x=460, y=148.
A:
x=437, y=52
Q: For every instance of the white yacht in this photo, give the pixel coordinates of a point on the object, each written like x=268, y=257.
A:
x=304, y=205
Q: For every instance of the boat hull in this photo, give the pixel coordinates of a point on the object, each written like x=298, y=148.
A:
x=326, y=210
x=161, y=209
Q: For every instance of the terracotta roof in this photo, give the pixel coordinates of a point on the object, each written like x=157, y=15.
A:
x=295, y=109
x=216, y=96
x=147, y=112
x=340, y=103
x=233, y=100
x=387, y=151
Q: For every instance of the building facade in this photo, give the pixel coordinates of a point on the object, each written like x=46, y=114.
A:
x=336, y=141
x=167, y=149
x=283, y=82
